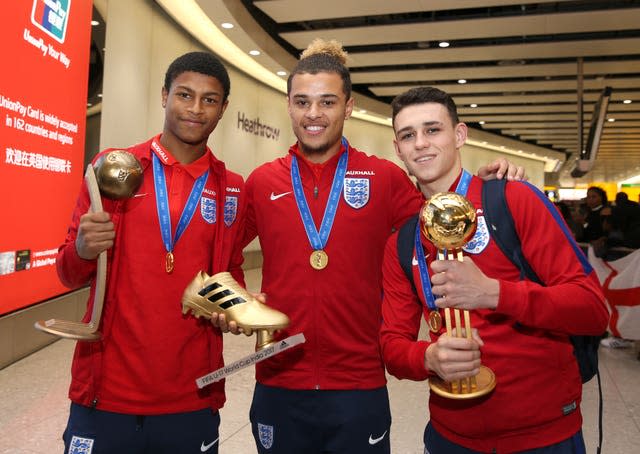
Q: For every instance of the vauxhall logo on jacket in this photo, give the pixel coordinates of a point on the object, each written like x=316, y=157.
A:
x=356, y=191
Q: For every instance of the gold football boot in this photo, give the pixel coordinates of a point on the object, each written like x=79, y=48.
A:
x=221, y=293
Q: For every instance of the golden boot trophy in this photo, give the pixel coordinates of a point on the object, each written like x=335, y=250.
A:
x=222, y=294
x=116, y=175
x=448, y=220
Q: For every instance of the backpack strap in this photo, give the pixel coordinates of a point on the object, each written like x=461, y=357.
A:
x=502, y=227
x=405, y=248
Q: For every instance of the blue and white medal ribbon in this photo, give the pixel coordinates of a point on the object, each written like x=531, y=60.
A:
x=318, y=239
x=463, y=184
x=162, y=205
x=434, y=320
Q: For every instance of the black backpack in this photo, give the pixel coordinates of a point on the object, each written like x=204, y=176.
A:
x=502, y=230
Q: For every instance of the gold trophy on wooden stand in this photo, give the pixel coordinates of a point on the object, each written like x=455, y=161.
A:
x=448, y=220
x=116, y=175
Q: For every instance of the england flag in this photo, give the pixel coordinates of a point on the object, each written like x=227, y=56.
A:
x=620, y=281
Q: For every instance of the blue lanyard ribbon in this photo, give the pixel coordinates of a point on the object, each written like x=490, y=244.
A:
x=425, y=282
x=318, y=239
x=162, y=204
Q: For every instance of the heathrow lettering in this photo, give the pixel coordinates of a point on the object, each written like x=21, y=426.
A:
x=255, y=127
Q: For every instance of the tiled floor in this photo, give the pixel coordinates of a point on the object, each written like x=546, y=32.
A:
x=34, y=406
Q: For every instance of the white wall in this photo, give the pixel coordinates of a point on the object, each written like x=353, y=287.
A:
x=474, y=157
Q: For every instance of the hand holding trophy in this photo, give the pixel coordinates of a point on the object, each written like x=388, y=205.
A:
x=448, y=220
x=222, y=294
x=116, y=175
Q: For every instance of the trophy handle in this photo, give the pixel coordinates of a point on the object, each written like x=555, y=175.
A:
x=101, y=272
x=80, y=330
x=471, y=387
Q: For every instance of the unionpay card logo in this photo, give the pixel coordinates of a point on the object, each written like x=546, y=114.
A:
x=51, y=16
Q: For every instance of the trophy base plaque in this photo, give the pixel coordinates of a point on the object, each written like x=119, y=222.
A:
x=69, y=329
x=262, y=354
x=468, y=388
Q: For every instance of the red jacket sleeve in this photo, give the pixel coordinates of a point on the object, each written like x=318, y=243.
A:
x=572, y=301
x=402, y=352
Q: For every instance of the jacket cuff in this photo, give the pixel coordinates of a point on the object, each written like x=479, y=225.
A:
x=510, y=297
x=417, y=361
x=75, y=271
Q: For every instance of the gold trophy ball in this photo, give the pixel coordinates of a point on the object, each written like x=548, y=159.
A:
x=119, y=174
x=448, y=220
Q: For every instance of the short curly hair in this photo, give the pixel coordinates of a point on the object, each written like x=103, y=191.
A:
x=200, y=62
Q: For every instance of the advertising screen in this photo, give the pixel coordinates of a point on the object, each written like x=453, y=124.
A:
x=43, y=96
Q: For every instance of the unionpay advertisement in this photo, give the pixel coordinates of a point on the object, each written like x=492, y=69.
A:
x=43, y=99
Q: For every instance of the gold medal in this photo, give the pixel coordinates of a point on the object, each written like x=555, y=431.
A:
x=434, y=321
x=319, y=259
x=168, y=262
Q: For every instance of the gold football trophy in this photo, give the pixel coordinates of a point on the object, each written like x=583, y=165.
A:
x=116, y=175
x=222, y=294
x=449, y=222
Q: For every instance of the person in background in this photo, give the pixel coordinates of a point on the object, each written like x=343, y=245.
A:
x=596, y=201
x=580, y=214
x=568, y=216
x=628, y=212
x=134, y=390
x=521, y=329
x=322, y=214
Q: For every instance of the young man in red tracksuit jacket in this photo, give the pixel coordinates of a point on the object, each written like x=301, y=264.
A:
x=134, y=390
x=522, y=328
x=328, y=395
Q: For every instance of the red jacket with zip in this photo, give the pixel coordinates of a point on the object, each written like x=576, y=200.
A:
x=536, y=401
x=150, y=354
x=337, y=308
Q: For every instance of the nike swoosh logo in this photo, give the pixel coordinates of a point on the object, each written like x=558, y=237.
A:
x=373, y=441
x=414, y=261
x=277, y=196
x=205, y=448
x=140, y=195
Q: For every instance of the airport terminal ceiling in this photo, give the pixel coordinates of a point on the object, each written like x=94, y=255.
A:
x=512, y=66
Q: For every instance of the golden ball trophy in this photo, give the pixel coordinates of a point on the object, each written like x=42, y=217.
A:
x=448, y=220
x=116, y=175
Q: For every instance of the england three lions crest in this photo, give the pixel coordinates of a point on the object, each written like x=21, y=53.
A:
x=480, y=239
x=356, y=191
x=265, y=434
x=208, y=209
x=230, y=210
